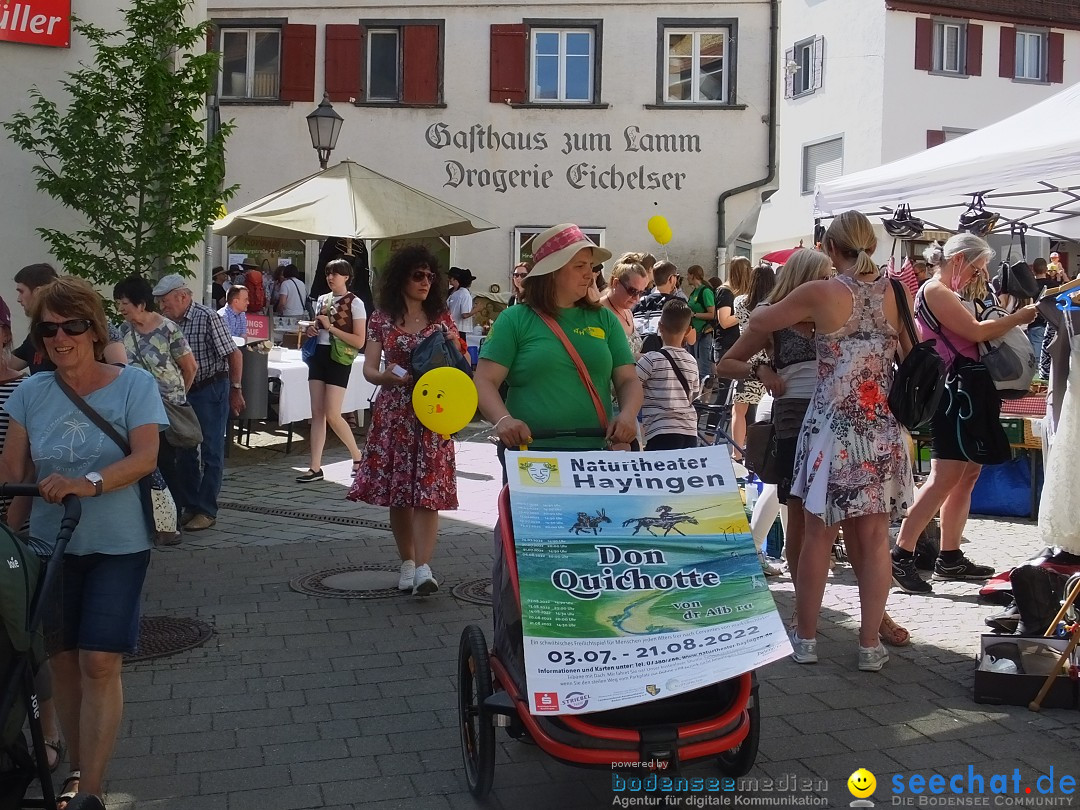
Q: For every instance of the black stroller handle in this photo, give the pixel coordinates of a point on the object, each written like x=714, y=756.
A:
x=72, y=506
x=591, y=432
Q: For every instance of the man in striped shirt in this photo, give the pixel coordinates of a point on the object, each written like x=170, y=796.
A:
x=670, y=379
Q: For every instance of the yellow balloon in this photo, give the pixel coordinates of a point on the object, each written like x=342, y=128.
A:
x=664, y=236
x=444, y=400
x=657, y=225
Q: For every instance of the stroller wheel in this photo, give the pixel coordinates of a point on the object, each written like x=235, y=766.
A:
x=477, y=731
x=739, y=760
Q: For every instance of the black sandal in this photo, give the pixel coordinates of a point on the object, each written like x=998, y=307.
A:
x=66, y=794
x=57, y=747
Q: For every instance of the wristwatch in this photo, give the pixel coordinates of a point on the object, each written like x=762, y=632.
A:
x=237, y=386
x=95, y=479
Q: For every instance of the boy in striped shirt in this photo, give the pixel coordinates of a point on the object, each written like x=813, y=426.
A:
x=670, y=379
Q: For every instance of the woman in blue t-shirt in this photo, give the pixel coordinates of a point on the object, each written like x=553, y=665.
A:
x=106, y=560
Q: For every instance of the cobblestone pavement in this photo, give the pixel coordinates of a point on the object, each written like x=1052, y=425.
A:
x=309, y=702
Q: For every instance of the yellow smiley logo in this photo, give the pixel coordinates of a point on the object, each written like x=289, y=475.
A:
x=861, y=783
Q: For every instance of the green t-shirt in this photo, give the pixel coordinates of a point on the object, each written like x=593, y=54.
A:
x=700, y=300
x=544, y=388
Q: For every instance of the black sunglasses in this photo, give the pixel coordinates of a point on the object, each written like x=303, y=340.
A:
x=423, y=275
x=49, y=329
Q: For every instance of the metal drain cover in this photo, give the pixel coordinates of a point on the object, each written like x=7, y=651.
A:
x=167, y=635
x=476, y=591
x=350, y=582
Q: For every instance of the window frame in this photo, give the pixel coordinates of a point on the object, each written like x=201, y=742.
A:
x=250, y=27
x=595, y=27
x=937, y=47
x=802, y=168
x=696, y=26
x=398, y=24
x=1043, y=36
x=524, y=234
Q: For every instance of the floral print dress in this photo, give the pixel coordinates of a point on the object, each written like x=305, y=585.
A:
x=852, y=458
x=404, y=464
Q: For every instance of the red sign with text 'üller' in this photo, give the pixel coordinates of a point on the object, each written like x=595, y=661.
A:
x=36, y=22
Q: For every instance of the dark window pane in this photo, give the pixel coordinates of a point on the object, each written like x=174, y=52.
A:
x=267, y=64
x=383, y=65
x=578, y=86
x=546, y=78
x=578, y=43
x=547, y=43
x=234, y=63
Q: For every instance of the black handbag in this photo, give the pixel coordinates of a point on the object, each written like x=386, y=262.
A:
x=760, y=455
x=919, y=380
x=437, y=350
x=973, y=406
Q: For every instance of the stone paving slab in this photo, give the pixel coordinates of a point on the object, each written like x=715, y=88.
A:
x=314, y=702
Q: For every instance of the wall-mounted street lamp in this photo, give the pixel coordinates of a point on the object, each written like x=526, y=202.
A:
x=324, y=125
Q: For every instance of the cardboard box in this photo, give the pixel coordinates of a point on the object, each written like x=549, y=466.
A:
x=1034, y=658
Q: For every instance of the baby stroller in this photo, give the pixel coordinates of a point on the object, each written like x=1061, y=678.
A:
x=720, y=721
x=23, y=590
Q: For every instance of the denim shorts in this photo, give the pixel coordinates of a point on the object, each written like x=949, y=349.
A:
x=100, y=596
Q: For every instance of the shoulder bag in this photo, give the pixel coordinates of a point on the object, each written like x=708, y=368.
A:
x=436, y=351
x=311, y=344
x=919, y=381
x=1008, y=358
x=184, y=429
x=973, y=407
x=158, y=505
x=579, y=364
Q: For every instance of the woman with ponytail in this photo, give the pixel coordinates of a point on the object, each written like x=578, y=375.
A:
x=852, y=462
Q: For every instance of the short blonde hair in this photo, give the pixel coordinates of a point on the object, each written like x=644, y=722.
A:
x=72, y=299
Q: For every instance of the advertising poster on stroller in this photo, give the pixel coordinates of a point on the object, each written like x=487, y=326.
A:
x=639, y=579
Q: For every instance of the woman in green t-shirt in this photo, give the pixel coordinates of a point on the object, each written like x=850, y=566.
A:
x=703, y=304
x=544, y=389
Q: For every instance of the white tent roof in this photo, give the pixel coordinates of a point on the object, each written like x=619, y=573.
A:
x=1027, y=167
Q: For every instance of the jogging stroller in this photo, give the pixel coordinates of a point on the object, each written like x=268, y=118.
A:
x=23, y=591
x=720, y=721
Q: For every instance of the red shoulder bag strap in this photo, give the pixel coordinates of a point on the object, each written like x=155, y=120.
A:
x=578, y=364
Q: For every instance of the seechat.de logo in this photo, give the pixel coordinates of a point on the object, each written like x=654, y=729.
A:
x=546, y=701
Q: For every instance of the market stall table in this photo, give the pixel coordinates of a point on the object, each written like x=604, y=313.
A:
x=294, y=404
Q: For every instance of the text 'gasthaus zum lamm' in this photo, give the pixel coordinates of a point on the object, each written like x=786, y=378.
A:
x=582, y=174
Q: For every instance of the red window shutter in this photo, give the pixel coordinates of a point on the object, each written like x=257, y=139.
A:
x=343, y=65
x=973, y=57
x=1007, y=60
x=509, y=59
x=934, y=137
x=924, y=43
x=420, y=64
x=1055, y=57
x=211, y=38
x=298, y=62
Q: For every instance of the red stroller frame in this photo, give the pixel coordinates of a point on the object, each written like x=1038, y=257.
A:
x=721, y=721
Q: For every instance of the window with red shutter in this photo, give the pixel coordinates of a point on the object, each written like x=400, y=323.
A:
x=250, y=60
x=297, y=62
x=420, y=64
x=401, y=62
x=924, y=43
x=1007, y=53
x=973, y=60
x=343, y=66
x=1055, y=57
x=509, y=64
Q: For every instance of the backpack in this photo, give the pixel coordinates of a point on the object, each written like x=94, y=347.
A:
x=1009, y=358
x=253, y=280
x=919, y=380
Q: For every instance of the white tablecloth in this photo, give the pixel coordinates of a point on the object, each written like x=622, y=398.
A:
x=295, y=402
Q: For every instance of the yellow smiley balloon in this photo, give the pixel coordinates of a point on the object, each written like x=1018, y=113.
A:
x=861, y=783
x=444, y=400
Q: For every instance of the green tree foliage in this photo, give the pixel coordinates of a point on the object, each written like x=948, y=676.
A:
x=129, y=153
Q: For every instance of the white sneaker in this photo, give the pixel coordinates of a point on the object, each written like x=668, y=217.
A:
x=872, y=659
x=408, y=574
x=803, y=650
x=424, y=584
x=767, y=567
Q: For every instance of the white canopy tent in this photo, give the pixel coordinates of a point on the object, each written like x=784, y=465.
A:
x=1026, y=167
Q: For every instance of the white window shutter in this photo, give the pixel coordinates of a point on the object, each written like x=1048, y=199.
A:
x=819, y=63
x=789, y=74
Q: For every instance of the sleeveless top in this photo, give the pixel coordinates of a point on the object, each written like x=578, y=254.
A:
x=795, y=361
x=930, y=328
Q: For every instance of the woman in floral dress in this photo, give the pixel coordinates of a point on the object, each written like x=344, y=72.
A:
x=406, y=466
x=852, y=462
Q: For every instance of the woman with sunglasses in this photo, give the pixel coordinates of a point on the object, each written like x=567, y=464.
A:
x=54, y=442
x=406, y=466
x=339, y=316
x=629, y=281
x=517, y=278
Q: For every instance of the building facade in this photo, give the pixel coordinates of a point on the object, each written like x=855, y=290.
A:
x=604, y=114
x=867, y=82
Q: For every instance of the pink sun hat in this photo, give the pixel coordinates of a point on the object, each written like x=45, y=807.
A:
x=555, y=247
